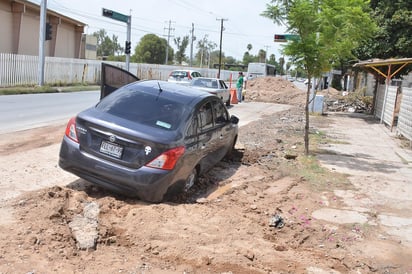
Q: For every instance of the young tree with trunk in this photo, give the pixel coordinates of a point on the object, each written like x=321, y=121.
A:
x=181, y=44
x=325, y=30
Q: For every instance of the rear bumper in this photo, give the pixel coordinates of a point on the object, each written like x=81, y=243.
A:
x=146, y=183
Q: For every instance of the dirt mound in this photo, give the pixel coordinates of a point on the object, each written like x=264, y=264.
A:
x=274, y=90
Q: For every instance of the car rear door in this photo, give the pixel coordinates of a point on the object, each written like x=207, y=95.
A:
x=223, y=129
x=216, y=132
x=113, y=78
x=208, y=138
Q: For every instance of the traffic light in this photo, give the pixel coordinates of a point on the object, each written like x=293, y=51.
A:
x=48, y=31
x=128, y=47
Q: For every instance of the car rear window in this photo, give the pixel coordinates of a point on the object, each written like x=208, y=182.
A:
x=149, y=109
x=179, y=74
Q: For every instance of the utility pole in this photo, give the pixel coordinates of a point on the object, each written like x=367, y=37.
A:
x=193, y=38
x=42, y=38
x=220, y=46
x=169, y=29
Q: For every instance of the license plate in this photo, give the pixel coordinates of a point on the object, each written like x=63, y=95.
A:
x=111, y=149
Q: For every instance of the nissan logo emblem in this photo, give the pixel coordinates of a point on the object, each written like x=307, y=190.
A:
x=112, y=138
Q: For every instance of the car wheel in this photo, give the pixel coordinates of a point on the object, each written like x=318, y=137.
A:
x=191, y=180
x=181, y=188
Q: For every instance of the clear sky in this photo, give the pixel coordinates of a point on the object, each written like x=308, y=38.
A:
x=243, y=24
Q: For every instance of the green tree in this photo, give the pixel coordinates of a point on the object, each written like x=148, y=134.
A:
x=214, y=57
x=393, y=38
x=152, y=50
x=205, y=47
x=247, y=57
x=107, y=46
x=117, y=48
x=282, y=65
x=181, y=44
x=327, y=30
x=262, y=56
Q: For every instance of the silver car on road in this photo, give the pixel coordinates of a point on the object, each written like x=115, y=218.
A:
x=214, y=86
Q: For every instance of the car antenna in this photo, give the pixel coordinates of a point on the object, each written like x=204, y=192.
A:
x=160, y=88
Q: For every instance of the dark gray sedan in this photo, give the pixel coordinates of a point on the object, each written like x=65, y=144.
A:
x=148, y=137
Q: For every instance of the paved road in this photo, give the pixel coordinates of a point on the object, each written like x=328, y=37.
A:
x=20, y=112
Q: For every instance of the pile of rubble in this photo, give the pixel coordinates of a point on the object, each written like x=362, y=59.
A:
x=337, y=101
x=342, y=105
x=282, y=91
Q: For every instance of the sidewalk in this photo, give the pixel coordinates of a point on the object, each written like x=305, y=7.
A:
x=381, y=172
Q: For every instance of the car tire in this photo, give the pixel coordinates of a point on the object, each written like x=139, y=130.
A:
x=183, y=186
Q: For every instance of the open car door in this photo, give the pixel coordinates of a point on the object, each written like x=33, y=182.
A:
x=113, y=78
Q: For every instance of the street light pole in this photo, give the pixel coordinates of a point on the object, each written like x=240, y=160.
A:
x=42, y=38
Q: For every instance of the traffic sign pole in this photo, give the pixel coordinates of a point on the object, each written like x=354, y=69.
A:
x=123, y=18
x=129, y=24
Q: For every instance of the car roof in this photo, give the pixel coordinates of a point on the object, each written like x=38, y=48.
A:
x=172, y=91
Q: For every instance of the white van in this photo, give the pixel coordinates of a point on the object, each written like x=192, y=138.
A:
x=260, y=70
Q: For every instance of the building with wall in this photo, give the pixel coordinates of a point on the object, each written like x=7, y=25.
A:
x=20, y=27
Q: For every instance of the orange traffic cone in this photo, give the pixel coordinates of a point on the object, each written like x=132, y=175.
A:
x=233, y=96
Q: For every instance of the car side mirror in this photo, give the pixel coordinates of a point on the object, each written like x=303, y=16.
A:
x=234, y=119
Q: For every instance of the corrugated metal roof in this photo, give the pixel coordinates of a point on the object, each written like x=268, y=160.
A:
x=383, y=62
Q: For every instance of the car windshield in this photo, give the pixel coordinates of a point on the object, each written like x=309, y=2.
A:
x=202, y=82
x=141, y=107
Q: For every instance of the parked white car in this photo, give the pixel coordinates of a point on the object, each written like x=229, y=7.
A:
x=214, y=86
x=183, y=77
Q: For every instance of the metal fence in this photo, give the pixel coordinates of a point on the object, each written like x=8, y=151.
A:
x=385, y=103
x=393, y=106
x=22, y=70
x=405, y=114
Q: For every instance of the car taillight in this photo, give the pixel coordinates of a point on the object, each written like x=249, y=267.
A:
x=168, y=159
x=71, y=130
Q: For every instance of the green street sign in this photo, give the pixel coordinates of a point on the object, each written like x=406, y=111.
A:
x=115, y=15
x=285, y=37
